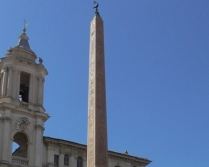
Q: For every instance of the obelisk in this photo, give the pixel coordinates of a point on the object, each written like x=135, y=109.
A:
x=97, y=121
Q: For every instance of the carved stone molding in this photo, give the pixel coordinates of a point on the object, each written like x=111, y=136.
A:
x=22, y=123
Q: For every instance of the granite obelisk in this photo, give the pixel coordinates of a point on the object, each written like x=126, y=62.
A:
x=97, y=121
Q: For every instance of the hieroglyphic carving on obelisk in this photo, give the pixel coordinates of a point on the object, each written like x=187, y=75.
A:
x=97, y=121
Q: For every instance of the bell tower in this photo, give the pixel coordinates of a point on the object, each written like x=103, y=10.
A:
x=22, y=114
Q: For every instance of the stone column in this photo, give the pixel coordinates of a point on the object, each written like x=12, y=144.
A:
x=97, y=123
x=34, y=90
x=61, y=160
x=10, y=82
x=39, y=144
x=15, y=84
x=1, y=132
x=40, y=90
x=6, y=140
x=4, y=82
x=1, y=82
x=50, y=156
x=73, y=161
x=31, y=89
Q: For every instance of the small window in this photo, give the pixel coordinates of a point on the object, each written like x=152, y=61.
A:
x=56, y=160
x=80, y=162
x=66, y=159
x=24, y=87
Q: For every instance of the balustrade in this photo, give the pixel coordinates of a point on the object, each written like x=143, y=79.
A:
x=20, y=161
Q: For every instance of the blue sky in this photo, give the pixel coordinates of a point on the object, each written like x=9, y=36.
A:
x=157, y=72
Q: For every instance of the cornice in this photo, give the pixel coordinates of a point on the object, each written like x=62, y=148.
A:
x=54, y=141
x=39, y=113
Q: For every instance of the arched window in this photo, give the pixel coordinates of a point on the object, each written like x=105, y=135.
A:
x=80, y=162
x=20, y=145
x=24, y=87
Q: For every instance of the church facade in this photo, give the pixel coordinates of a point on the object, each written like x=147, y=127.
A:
x=22, y=118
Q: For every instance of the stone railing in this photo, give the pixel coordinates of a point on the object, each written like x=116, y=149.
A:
x=20, y=161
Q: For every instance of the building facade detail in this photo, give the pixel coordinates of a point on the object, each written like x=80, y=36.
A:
x=23, y=116
x=21, y=106
x=22, y=124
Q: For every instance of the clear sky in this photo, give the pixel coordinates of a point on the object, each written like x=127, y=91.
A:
x=157, y=72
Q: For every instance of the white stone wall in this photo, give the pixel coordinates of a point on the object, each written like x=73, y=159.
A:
x=59, y=148
x=18, y=116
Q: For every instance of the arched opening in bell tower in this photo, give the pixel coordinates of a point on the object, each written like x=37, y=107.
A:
x=24, y=87
x=20, y=145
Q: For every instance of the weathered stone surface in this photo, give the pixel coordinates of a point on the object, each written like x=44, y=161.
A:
x=97, y=124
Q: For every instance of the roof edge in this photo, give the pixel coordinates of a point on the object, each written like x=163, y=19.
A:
x=84, y=147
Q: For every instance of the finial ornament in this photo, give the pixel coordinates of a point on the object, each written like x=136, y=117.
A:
x=25, y=26
x=23, y=38
x=96, y=7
